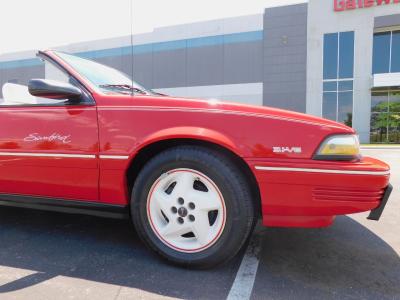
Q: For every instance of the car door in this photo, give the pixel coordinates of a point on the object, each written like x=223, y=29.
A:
x=48, y=148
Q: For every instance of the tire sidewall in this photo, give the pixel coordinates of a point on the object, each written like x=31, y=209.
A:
x=234, y=229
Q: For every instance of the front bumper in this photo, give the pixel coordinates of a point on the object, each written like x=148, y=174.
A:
x=307, y=193
x=376, y=213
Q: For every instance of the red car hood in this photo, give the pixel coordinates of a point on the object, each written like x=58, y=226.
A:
x=230, y=107
x=214, y=105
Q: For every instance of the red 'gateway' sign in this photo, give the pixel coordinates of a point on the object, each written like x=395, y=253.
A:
x=341, y=5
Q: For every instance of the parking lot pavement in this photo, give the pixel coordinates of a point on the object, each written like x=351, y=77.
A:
x=45, y=255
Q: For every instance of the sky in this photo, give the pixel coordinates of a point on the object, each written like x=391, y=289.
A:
x=40, y=24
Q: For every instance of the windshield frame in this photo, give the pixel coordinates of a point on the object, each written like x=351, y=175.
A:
x=81, y=84
x=101, y=87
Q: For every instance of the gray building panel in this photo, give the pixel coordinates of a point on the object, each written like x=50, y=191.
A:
x=283, y=30
x=243, y=63
x=112, y=61
x=142, y=69
x=289, y=85
x=386, y=21
x=288, y=20
x=285, y=57
x=127, y=65
x=283, y=76
x=286, y=68
x=289, y=10
x=294, y=40
x=286, y=99
x=279, y=51
x=211, y=65
x=205, y=65
x=169, y=69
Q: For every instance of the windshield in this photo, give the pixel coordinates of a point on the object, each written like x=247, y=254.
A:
x=104, y=77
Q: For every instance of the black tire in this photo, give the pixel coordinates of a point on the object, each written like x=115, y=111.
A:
x=240, y=207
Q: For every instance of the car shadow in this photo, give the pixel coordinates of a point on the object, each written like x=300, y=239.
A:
x=102, y=250
x=345, y=261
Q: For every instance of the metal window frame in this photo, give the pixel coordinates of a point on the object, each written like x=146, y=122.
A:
x=337, y=80
x=388, y=30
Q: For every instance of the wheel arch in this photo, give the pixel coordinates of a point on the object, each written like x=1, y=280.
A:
x=156, y=146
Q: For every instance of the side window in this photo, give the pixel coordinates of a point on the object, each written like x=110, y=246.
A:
x=14, y=78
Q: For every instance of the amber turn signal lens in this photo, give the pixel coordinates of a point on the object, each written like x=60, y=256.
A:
x=339, y=146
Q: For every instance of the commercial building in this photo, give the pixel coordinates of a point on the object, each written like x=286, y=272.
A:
x=339, y=59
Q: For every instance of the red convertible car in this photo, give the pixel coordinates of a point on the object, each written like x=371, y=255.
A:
x=194, y=175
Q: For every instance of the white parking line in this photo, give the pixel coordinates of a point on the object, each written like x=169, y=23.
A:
x=246, y=275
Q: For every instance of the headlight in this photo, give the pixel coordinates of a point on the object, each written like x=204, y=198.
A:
x=339, y=147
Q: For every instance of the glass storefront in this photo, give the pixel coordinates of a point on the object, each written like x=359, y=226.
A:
x=385, y=104
x=385, y=117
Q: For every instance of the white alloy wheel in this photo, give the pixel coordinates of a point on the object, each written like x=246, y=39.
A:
x=186, y=210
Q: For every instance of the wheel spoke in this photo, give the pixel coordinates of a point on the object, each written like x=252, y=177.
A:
x=174, y=229
x=184, y=183
x=201, y=228
x=206, y=201
x=163, y=202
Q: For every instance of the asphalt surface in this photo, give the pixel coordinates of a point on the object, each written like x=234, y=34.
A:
x=47, y=255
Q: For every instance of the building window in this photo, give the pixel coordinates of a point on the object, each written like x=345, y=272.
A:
x=385, y=117
x=338, y=73
x=386, y=58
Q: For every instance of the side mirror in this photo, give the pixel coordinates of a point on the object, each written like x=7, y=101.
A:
x=52, y=89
